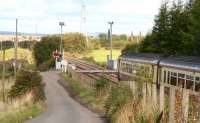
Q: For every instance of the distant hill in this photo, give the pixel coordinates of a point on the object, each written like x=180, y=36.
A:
x=20, y=33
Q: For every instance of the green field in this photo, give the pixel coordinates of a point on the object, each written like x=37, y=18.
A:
x=22, y=54
x=100, y=55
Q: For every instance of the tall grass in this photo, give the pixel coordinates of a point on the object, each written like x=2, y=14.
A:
x=87, y=95
x=19, y=110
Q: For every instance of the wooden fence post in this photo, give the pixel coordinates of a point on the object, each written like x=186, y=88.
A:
x=149, y=98
x=171, y=104
x=154, y=96
x=144, y=93
x=185, y=105
x=162, y=98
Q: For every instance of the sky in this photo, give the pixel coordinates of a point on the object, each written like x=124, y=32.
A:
x=43, y=16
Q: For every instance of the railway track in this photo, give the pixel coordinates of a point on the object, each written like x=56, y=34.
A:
x=82, y=65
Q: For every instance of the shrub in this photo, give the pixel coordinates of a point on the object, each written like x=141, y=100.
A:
x=46, y=65
x=28, y=82
x=101, y=87
x=74, y=43
x=43, y=50
x=101, y=84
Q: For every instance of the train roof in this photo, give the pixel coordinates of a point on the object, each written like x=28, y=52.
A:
x=142, y=57
x=191, y=63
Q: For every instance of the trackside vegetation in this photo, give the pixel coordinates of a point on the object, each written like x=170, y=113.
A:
x=28, y=82
x=24, y=97
x=88, y=95
x=19, y=115
x=42, y=51
x=176, y=30
x=116, y=101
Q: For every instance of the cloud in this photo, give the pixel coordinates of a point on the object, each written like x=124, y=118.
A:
x=128, y=15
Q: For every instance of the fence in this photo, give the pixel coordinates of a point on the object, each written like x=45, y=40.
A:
x=84, y=79
x=177, y=105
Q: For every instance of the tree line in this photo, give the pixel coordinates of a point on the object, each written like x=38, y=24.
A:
x=43, y=50
x=176, y=30
x=23, y=44
x=119, y=41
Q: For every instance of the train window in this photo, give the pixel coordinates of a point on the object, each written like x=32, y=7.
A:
x=130, y=68
x=189, y=82
x=197, y=84
x=189, y=77
x=173, y=78
x=181, y=80
x=181, y=75
x=164, y=76
x=168, y=77
x=197, y=79
x=173, y=74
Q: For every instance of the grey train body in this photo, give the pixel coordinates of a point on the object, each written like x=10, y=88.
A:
x=176, y=71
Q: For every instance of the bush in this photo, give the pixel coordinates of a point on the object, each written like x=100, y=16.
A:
x=43, y=50
x=101, y=84
x=101, y=87
x=26, y=44
x=46, y=65
x=131, y=48
x=74, y=42
x=28, y=82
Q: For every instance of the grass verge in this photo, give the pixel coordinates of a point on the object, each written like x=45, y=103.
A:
x=20, y=115
x=86, y=95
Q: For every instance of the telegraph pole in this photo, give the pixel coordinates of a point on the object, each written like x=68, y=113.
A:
x=1, y=45
x=61, y=36
x=83, y=29
x=111, y=23
x=16, y=46
x=3, y=77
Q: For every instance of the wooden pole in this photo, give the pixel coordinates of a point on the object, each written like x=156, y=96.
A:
x=172, y=105
x=16, y=46
x=3, y=77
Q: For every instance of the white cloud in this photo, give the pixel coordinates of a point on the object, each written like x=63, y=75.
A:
x=140, y=7
x=129, y=15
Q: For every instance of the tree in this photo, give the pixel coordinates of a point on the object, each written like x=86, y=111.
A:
x=176, y=30
x=158, y=40
x=43, y=50
x=161, y=29
x=28, y=82
x=195, y=26
x=74, y=42
x=179, y=25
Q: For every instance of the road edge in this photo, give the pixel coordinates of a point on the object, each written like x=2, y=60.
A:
x=74, y=96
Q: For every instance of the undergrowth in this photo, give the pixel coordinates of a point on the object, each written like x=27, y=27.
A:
x=21, y=114
x=119, y=102
x=87, y=95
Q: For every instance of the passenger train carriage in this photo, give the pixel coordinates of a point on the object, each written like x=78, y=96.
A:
x=182, y=72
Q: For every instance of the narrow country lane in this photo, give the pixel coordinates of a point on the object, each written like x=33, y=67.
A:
x=61, y=108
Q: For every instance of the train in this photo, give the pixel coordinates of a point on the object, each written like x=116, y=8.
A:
x=176, y=71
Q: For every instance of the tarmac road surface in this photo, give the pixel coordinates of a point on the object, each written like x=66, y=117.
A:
x=61, y=108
